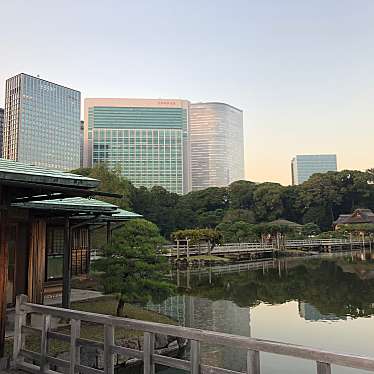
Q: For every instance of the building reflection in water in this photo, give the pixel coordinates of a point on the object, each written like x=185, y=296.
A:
x=311, y=313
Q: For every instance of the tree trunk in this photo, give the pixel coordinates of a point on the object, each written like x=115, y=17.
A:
x=120, y=308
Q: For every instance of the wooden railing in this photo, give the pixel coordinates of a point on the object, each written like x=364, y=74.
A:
x=324, y=359
x=258, y=247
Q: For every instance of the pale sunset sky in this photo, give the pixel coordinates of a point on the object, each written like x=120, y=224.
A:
x=302, y=71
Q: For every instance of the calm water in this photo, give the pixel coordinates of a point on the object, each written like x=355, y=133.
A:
x=323, y=302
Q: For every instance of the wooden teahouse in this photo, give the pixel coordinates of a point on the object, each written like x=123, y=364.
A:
x=45, y=222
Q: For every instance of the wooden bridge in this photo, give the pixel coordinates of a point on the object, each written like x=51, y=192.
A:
x=256, y=248
x=26, y=360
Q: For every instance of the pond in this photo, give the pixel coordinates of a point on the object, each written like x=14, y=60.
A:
x=323, y=302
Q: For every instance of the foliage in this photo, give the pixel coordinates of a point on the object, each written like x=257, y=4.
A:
x=110, y=181
x=131, y=267
x=319, y=200
x=310, y=229
x=358, y=228
x=238, y=232
x=198, y=235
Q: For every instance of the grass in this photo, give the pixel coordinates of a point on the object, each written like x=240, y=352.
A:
x=102, y=305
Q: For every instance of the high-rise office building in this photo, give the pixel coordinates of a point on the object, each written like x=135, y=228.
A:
x=81, y=139
x=304, y=166
x=217, y=147
x=41, y=123
x=146, y=138
x=1, y=130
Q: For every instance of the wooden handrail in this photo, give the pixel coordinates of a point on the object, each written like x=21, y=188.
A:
x=324, y=359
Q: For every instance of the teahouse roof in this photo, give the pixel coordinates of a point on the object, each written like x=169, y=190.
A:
x=71, y=204
x=98, y=210
x=122, y=215
x=14, y=171
x=357, y=217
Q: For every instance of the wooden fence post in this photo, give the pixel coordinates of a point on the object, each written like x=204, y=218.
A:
x=253, y=362
x=108, y=355
x=195, y=357
x=148, y=349
x=323, y=368
x=74, y=348
x=44, y=366
x=20, y=320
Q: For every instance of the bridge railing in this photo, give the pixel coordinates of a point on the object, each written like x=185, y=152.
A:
x=324, y=359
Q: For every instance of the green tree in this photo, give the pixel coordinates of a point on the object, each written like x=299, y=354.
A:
x=268, y=199
x=240, y=194
x=111, y=181
x=196, y=236
x=238, y=232
x=242, y=215
x=158, y=206
x=310, y=229
x=131, y=267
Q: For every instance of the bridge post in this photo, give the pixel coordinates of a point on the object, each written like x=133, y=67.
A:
x=20, y=320
x=323, y=368
x=149, y=342
x=195, y=357
x=75, y=329
x=253, y=362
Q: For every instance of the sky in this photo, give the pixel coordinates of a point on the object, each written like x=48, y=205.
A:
x=302, y=71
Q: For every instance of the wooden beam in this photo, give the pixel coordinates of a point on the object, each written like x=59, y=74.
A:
x=3, y=267
x=66, y=285
x=108, y=233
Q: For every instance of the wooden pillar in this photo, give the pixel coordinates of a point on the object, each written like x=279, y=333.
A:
x=66, y=266
x=3, y=271
x=108, y=233
x=36, y=265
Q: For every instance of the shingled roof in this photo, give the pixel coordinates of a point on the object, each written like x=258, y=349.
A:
x=359, y=216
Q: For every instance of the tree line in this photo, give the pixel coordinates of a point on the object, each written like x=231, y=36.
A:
x=319, y=200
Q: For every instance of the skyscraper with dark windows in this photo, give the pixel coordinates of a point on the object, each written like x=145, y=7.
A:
x=41, y=123
x=217, y=146
x=146, y=139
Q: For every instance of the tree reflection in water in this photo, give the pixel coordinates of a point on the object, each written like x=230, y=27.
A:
x=340, y=286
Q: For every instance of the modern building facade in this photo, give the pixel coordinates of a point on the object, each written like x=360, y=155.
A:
x=304, y=166
x=217, y=146
x=147, y=139
x=41, y=123
x=1, y=129
x=81, y=140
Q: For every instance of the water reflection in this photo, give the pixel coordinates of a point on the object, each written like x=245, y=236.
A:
x=325, y=302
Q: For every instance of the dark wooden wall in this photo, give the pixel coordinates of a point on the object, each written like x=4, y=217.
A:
x=36, y=268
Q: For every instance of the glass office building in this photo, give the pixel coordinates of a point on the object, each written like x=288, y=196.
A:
x=41, y=123
x=147, y=139
x=1, y=129
x=217, y=146
x=304, y=166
